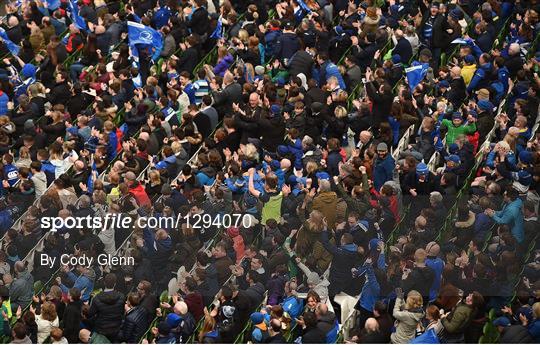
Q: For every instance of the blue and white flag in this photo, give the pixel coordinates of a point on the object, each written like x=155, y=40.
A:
x=139, y=34
x=90, y=180
x=77, y=20
x=12, y=47
x=416, y=73
x=218, y=31
x=460, y=40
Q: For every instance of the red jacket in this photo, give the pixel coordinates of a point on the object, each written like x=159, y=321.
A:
x=138, y=192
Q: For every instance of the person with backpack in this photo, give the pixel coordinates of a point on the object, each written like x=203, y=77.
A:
x=259, y=332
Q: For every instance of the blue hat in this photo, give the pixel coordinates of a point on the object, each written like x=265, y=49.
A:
x=257, y=318
x=322, y=175
x=457, y=115
x=373, y=243
x=173, y=320
x=422, y=169
x=453, y=158
x=469, y=59
x=396, y=58
x=339, y=30
x=485, y=105
x=161, y=165
x=29, y=70
x=526, y=157
x=444, y=83
x=453, y=148
x=473, y=113
x=275, y=110
x=501, y=321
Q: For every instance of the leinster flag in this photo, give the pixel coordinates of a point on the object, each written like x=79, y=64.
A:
x=77, y=20
x=218, y=31
x=416, y=73
x=12, y=47
x=139, y=34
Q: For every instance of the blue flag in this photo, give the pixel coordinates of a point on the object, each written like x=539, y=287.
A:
x=53, y=4
x=304, y=7
x=218, y=31
x=12, y=47
x=139, y=34
x=77, y=20
x=416, y=73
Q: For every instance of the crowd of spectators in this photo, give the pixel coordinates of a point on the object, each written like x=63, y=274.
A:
x=344, y=171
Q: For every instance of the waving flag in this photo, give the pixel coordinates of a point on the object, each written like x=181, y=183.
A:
x=77, y=20
x=12, y=47
x=53, y=4
x=218, y=31
x=139, y=34
x=416, y=73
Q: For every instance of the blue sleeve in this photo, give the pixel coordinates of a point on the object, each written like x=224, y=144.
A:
x=326, y=244
x=381, y=263
x=477, y=77
x=490, y=162
x=504, y=217
x=148, y=240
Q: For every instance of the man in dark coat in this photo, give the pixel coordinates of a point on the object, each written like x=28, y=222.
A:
x=136, y=321
x=420, y=278
x=345, y=258
x=287, y=44
x=71, y=322
x=107, y=309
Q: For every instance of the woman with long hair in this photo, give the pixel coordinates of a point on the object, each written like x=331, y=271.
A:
x=209, y=334
x=407, y=314
x=90, y=56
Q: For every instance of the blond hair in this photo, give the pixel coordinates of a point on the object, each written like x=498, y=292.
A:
x=414, y=300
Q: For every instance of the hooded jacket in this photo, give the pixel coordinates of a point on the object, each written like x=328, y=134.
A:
x=138, y=192
x=512, y=215
x=407, y=320
x=107, y=310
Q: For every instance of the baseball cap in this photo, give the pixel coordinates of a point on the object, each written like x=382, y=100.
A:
x=444, y=83
x=526, y=157
x=457, y=115
x=485, y=105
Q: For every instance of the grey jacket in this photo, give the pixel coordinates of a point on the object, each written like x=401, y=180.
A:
x=406, y=323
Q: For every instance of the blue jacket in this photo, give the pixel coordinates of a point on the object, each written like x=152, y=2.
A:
x=534, y=330
x=371, y=289
x=437, y=265
x=161, y=17
x=481, y=73
x=292, y=306
x=84, y=282
x=383, y=171
x=329, y=69
x=512, y=215
x=4, y=99
x=111, y=147
x=510, y=159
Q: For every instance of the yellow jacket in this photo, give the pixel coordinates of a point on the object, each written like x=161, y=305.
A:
x=467, y=73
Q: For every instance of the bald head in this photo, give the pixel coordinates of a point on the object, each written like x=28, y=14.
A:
x=365, y=136
x=322, y=309
x=371, y=325
x=285, y=164
x=13, y=21
x=19, y=266
x=455, y=72
x=513, y=49
x=228, y=78
x=79, y=165
x=144, y=136
x=84, y=336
